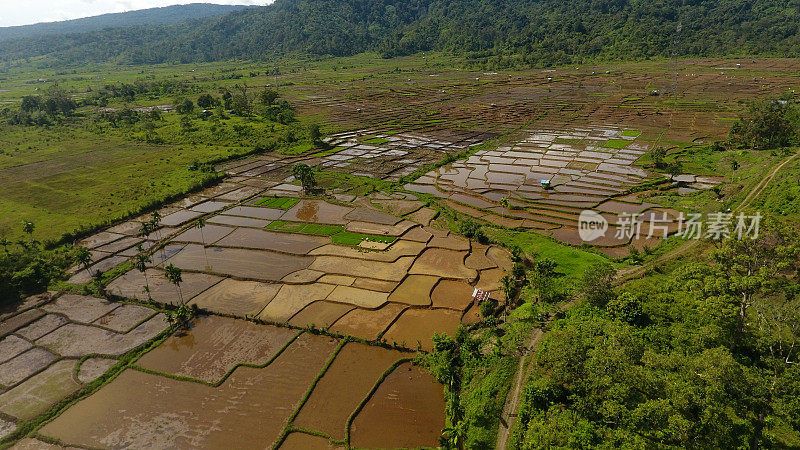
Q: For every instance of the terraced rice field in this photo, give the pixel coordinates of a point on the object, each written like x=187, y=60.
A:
x=224, y=378
x=51, y=346
x=546, y=180
x=302, y=272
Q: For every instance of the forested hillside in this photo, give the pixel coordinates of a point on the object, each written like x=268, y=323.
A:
x=151, y=16
x=497, y=32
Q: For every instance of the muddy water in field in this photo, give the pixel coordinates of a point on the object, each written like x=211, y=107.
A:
x=255, y=264
x=367, y=324
x=407, y=411
x=214, y=345
x=347, y=382
x=141, y=410
x=317, y=211
x=416, y=326
x=297, y=244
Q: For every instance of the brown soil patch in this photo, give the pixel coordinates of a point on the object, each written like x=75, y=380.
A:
x=444, y=264
x=406, y=411
x=302, y=441
x=320, y=314
x=80, y=308
x=317, y=211
x=394, y=271
x=149, y=411
x=238, y=298
x=418, y=326
x=452, y=294
x=131, y=285
x=40, y=392
x=367, y=324
x=414, y=290
x=252, y=264
x=293, y=298
x=358, y=297
x=214, y=345
x=209, y=234
x=24, y=365
x=124, y=318
x=347, y=382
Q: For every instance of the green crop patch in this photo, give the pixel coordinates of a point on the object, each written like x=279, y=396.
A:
x=277, y=202
x=289, y=227
x=631, y=133
x=376, y=141
x=616, y=143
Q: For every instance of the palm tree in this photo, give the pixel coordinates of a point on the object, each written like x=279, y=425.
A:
x=173, y=274
x=201, y=223
x=84, y=257
x=140, y=263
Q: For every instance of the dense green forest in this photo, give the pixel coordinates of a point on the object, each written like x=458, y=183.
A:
x=151, y=16
x=496, y=32
x=704, y=356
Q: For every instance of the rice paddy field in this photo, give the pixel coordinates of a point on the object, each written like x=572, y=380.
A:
x=311, y=309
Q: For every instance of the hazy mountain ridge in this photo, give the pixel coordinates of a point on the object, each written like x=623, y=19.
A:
x=151, y=16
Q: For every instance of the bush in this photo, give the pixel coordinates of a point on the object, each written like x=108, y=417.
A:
x=471, y=230
x=768, y=125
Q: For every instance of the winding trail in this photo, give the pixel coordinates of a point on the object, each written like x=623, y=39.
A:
x=509, y=415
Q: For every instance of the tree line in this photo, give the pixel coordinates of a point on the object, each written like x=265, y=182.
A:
x=490, y=32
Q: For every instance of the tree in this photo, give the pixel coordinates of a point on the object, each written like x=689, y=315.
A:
x=268, y=97
x=305, y=174
x=140, y=263
x=207, y=101
x=28, y=228
x=184, y=106
x=314, y=133
x=658, y=155
x=597, y=284
x=544, y=275
x=174, y=276
x=471, y=229
x=84, y=257
x=767, y=125
x=200, y=224
x=674, y=169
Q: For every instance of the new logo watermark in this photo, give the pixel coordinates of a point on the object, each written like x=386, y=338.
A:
x=591, y=225
x=715, y=226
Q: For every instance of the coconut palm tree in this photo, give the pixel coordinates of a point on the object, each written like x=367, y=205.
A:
x=200, y=224
x=140, y=263
x=173, y=274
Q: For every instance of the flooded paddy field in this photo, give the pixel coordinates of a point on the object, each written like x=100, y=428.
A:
x=320, y=262
x=220, y=379
x=52, y=345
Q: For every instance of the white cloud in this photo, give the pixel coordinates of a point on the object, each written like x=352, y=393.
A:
x=34, y=11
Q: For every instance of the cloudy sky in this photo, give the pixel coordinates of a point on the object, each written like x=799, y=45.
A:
x=32, y=11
